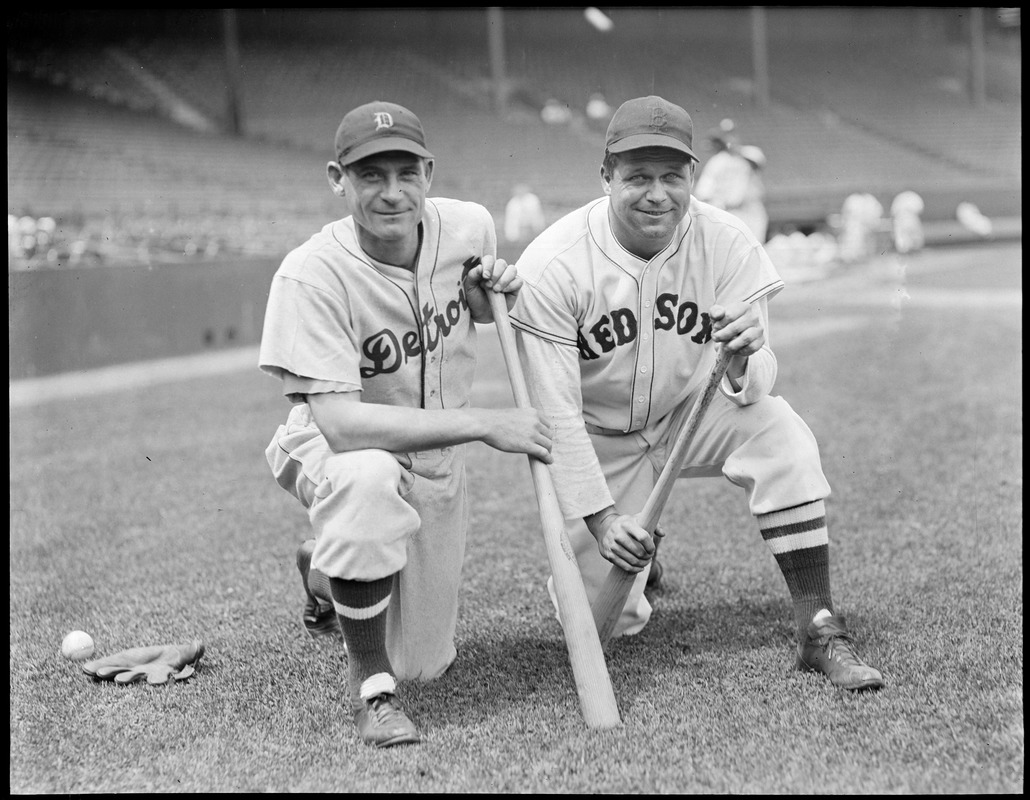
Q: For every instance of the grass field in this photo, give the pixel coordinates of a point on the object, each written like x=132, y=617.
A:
x=148, y=516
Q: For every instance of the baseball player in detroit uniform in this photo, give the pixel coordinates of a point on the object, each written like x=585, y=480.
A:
x=624, y=305
x=370, y=328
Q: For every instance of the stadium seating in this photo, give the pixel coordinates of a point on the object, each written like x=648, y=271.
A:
x=90, y=134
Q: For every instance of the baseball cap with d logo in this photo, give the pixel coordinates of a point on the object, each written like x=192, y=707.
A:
x=650, y=122
x=379, y=127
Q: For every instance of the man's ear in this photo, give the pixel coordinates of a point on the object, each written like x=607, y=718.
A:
x=606, y=181
x=334, y=174
x=429, y=172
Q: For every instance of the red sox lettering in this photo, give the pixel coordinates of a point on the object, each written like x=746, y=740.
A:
x=620, y=326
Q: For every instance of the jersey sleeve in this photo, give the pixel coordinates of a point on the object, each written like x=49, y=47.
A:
x=749, y=275
x=754, y=281
x=307, y=333
x=538, y=311
x=552, y=378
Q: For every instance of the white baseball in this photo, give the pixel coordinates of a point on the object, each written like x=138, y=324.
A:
x=77, y=646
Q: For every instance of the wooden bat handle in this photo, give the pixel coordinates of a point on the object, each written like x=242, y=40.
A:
x=659, y=496
x=590, y=672
x=615, y=590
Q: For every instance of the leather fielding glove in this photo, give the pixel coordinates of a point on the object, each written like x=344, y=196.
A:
x=159, y=663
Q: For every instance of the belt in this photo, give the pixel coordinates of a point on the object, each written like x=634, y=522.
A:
x=599, y=431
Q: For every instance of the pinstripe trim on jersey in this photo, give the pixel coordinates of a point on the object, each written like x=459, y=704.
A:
x=605, y=229
x=766, y=291
x=547, y=335
x=366, y=261
x=602, y=236
x=421, y=277
x=367, y=612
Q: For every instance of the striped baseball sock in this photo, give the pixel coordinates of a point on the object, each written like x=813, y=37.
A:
x=361, y=607
x=800, y=543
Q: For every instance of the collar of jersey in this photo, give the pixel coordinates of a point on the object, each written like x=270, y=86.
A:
x=604, y=237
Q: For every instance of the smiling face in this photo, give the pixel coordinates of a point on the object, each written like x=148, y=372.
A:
x=650, y=193
x=387, y=195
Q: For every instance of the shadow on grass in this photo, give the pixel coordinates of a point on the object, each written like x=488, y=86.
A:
x=503, y=676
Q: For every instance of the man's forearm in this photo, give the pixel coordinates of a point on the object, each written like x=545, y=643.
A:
x=552, y=376
x=353, y=425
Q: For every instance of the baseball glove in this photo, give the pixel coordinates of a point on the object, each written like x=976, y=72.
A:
x=158, y=664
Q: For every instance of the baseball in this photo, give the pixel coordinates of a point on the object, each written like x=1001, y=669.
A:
x=77, y=646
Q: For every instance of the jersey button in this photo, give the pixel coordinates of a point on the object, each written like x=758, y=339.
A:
x=640, y=399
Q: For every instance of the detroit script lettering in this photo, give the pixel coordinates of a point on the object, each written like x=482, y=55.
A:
x=388, y=350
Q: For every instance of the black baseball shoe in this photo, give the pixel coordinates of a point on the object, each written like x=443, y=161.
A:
x=319, y=617
x=381, y=719
x=829, y=648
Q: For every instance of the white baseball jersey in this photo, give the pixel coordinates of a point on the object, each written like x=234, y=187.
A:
x=639, y=327
x=337, y=321
x=616, y=347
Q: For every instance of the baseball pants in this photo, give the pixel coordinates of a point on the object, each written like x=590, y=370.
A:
x=765, y=448
x=376, y=514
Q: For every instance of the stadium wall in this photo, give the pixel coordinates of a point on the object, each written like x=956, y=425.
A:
x=71, y=320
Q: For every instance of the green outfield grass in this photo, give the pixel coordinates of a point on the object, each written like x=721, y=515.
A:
x=148, y=516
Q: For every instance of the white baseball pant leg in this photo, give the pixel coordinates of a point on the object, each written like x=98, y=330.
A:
x=765, y=448
x=372, y=517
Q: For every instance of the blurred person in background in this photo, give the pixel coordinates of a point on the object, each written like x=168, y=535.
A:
x=972, y=219
x=523, y=215
x=15, y=250
x=626, y=303
x=555, y=112
x=906, y=222
x=598, y=111
x=860, y=218
x=371, y=329
x=27, y=242
x=731, y=179
x=752, y=209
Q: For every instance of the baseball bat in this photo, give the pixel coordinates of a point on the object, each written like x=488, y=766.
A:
x=608, y=604
x=593, y=684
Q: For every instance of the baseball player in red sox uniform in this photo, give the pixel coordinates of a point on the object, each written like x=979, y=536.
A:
x=624, y=304
x=369, y=326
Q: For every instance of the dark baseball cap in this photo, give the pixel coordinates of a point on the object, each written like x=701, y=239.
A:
x=650, y=122
x=379, y=127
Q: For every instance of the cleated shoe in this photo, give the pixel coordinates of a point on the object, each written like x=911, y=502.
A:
x=829, y=648
x=319, y=617
x=381, y=720
x=321, y=621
